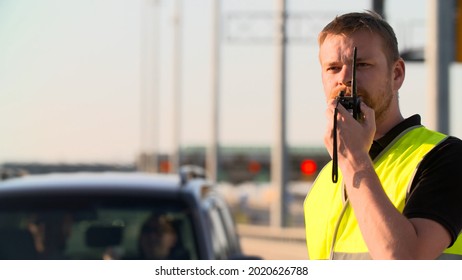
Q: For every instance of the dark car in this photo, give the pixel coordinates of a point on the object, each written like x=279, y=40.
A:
x=115, y=216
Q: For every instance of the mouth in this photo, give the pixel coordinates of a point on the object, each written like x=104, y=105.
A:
x=344, y=91
x=347, y=92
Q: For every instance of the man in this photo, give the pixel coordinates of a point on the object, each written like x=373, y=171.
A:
x=50, y=233
x=159, y=240
x=398, y=195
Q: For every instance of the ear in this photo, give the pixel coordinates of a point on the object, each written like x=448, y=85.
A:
x=399, y=71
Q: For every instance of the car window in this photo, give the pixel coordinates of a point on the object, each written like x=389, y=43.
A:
x=96, y=228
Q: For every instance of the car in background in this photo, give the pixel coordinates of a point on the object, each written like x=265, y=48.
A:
x=116, y=216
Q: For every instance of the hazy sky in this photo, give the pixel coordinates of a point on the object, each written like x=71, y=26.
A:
x=74, y=74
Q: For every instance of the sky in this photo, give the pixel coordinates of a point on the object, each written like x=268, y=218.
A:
x=89, y=81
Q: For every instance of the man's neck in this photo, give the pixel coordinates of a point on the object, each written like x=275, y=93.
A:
x=383, y=127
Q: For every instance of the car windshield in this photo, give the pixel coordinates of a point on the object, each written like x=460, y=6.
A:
x=95, y=228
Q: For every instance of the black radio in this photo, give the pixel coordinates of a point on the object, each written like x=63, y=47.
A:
x=351, y=103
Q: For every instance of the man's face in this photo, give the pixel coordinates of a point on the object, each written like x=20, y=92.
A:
x=158, y=238
x=374, y=77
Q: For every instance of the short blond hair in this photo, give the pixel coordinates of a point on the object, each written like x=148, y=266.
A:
x=350, y=23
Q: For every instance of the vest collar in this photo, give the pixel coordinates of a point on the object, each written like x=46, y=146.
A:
x=380, y=144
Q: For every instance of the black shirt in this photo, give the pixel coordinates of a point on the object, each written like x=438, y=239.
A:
x=436, y=190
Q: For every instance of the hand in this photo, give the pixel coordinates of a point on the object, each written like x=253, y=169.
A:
x=354, y=138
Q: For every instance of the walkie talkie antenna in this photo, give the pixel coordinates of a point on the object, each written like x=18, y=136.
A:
x=353, y=86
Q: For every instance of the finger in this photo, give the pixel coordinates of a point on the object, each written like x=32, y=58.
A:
x=368, y=120
x=368, y=112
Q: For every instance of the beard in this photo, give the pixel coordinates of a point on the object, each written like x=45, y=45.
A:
x=380, y=101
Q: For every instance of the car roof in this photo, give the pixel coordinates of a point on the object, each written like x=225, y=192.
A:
x=114, y=181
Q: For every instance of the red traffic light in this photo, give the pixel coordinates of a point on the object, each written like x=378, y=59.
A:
x=308, y=167
x=165, y=166
x=253, y=166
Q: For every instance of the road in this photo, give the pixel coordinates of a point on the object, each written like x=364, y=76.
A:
x=273, y=244
x=274, y=250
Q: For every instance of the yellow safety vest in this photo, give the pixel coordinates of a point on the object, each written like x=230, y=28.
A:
x=332, y=231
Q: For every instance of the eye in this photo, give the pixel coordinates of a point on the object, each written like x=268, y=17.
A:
x=362, y=64
x=333, y=69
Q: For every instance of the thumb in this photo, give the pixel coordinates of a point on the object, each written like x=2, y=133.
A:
x=368, y=114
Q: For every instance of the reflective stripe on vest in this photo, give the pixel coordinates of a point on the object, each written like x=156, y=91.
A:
x=332, y=230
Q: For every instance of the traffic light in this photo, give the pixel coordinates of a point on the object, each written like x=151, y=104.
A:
x=253, y=166
x=165, y=166
x=308, y=167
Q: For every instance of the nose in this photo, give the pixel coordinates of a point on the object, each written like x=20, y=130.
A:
x=345, y=76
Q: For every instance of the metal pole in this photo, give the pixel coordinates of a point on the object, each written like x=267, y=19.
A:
x=279, y=152
x=176, y=153
x=213, y=154
x=155, y=86
x=378, y=7
x=439, y=55
x=149, y=85
x=142, y=162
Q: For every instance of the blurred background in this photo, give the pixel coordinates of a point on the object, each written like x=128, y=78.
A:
x=148, y=85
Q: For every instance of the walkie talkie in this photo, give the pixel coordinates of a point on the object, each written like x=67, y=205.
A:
x=352, y=104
